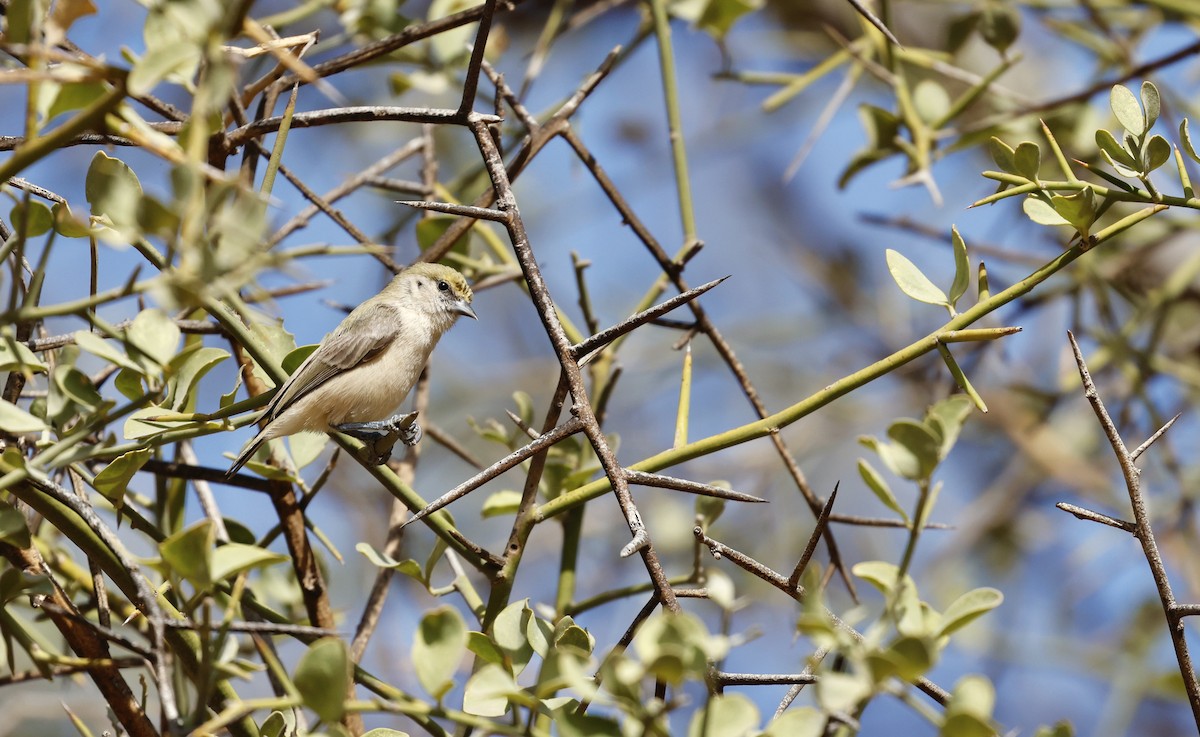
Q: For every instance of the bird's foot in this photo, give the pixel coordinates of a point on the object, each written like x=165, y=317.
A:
x=380, y=436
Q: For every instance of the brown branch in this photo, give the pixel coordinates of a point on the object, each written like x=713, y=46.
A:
x=798, y=592
x=87, y=643
x=1143, y=531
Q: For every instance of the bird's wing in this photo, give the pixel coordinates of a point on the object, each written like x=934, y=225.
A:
x=373, y=331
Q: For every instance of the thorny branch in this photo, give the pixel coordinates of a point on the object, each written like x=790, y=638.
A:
x=1141, y=528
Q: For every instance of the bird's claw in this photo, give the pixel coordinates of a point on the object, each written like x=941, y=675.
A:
x=380, y=436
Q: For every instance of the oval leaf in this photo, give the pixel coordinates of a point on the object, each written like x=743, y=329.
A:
x=323, y=676
x=912, y=282
x=969, y=607
x=962, y=266
x=880, y=488
x=487, y=692
x=16, y=421
x=1028, y=160
x=1151, y=102
x=1127, y=109
x=438, y=647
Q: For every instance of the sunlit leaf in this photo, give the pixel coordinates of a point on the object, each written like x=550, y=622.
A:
x=323, y=676
x=912, y=281
x=1129, y=113
x=438, y=647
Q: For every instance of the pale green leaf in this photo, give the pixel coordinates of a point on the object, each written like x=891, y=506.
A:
x=969, y=607
x=323, y=676
x=876, y=483
x=1040, y=212
x=962, y=267
x=1129, y=113
x=113, y=479
x=438, y=647
x=912, y=281
x=16, y=421
x=230, y=559
x=727, y=715
x=488, y=690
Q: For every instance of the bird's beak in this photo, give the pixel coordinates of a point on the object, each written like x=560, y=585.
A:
x=464, y=309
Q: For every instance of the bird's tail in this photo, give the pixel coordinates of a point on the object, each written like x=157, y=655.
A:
x=247, y=453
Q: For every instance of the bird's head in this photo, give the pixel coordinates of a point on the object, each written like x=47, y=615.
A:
x=438, y=290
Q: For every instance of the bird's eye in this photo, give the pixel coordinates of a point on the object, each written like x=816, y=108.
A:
x=443, y=286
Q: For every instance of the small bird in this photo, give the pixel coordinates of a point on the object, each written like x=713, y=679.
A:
x=362, y=371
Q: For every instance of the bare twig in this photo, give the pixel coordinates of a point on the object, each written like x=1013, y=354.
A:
x=1143, y=531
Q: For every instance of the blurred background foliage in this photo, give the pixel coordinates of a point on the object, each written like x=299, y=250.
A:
x=823, y=165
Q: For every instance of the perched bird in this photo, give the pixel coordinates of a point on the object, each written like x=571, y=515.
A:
x=362, y=371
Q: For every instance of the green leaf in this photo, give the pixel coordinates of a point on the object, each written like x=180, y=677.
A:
x=189, y=553
x=710, y=508
x=16, y=356
x=31, y=219
x=408, y=567
x=161, y=60
x=539, y=632
x=16, y=421
x=720, y=15
x=113, y=479
x=842, y=692
x=577, y=639
x=307, y=447
x=230, y=559
x=573, y=724
x=385, y=732
x=1114, y=151
x=503, y=502
x=1028, y=160
x=482, y=646
x=1151, y=102
x=999, y=25
x=966, y=725
x=907, y=658
x=931, y=101
x=438, y=647
x=97, y=346
x=19, y=20
x=969, y=712
x=881, y=575
x=1185, y=138
x=911, y=281
x=1040, y=212
x=67, y=225
x=74, y=96
x=962, y=267
x=14, y=530
x=509, y=632
x=153, y=337
x=1077, y=208
x=727, y=715
x=487, y=692
x=186, y=370
x=1129, y=113
x=450, y=45
x=969, y=607
x=802, y=721
x=924, y=446
x=113, y=191
x=880, y=488
x=1003, y=155
x=946, y=419
x=139, y=425
x=1158, y=152
x=323, y=676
